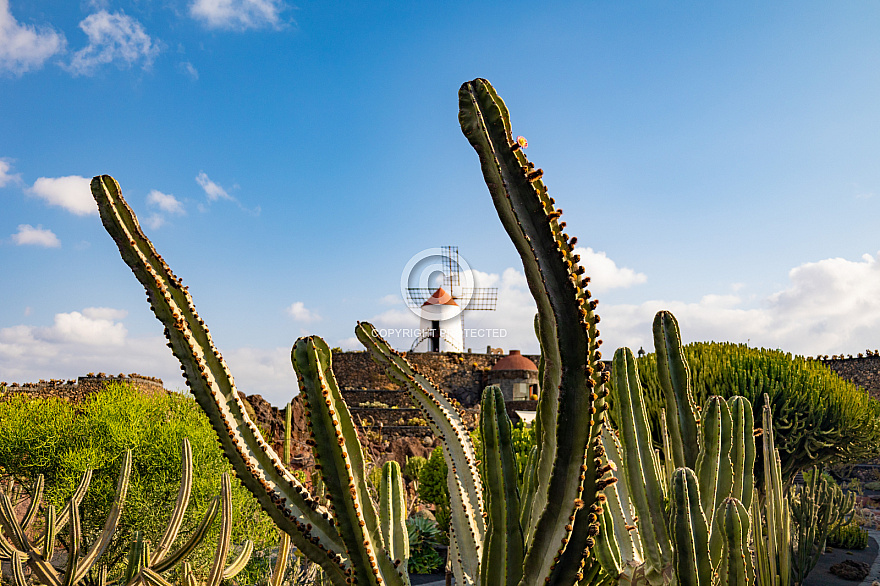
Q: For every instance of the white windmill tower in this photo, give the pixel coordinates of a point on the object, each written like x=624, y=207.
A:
x=439, y=286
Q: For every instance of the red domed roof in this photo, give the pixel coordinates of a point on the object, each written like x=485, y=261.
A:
x=440, y=297
x=514, y=361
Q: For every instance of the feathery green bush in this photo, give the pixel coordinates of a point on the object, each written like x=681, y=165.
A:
x=817, y=416
x=61, y=440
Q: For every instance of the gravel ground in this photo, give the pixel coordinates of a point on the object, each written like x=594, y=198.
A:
x=820, y=576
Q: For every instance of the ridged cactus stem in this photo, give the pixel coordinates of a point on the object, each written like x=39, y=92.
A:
x=444, y=419
x=672, y=371
x=392, y=514
x=642, y=476
x=503, y=548
x=256, y=464
x=339, y=454
x=734, y=522
x=568, y=333
x=690, y=530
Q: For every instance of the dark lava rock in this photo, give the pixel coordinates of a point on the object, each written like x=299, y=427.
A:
x=851, y=570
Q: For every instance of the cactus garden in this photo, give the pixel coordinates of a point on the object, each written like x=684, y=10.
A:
x=680, y=468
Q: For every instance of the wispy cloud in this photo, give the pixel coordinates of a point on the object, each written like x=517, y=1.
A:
x=71, y=193
x=188, y=69
x=92, y=340
x=113, y=38
x=23, y=47
x=238, y=15
x=7, y=178
x=604, y=272
x=299, y=312
x=165, y=202
x=27, y=235
x=212, y=190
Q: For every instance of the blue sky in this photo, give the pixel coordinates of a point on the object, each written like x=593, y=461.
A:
x=716, y=159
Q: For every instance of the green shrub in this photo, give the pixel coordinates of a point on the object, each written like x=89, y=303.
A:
x=424, y=536
x=433, y=488
x=817, y=416
x=61, y=440
x=849, y=536
x=523, y=438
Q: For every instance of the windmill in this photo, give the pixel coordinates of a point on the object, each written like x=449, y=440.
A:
x=438, y=286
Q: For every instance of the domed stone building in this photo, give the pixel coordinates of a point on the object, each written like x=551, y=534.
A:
x=516, y=375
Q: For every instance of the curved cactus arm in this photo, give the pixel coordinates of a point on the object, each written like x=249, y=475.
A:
x=194, y=540
x=618, y=547
x=48, y=538
x=340, y=457
x=75, y=500
x=568, y=329
x=238, y=564
x=225, y=538
x=465, y=486
x=36, y=497
x=733, y=519
x=503, y=546
x=73, y=549
x=641, y=473
x=392, y=515
x=180, y=505
x=150, y=577
x=22, y=545
x=281, y=561
x=261, y=470
x=17, y=565
x=674, y=376
x=691, y=532
x=111, y=522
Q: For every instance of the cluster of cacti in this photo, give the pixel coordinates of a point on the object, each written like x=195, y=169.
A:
x=819, y=417
x=568, y=521
x=18, y=546
x=558, y=513
x=707, y=475
x=817, y=508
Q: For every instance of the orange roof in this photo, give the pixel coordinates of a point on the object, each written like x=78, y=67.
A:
x=514, y=361
x=440, y=297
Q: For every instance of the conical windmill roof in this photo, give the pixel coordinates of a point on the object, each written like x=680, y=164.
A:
x=440, y=297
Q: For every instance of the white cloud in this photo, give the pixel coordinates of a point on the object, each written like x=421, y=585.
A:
x=6, y=177
x=24, y=47
x=299, y=312
x=238, y=14
x=212, y=190
x=605, y=274
x=165, y=202
x=28, y=235
x=78, y=342
x=154, y=221
x=113, y=37
x=188, y=69
x=72, y=193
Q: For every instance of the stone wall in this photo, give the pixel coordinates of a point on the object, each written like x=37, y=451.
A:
x=76, y=390
x=463, y=376
x=861, y=370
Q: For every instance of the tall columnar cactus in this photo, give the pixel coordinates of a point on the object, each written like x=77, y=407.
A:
x=706, y=532
x=559, y=521
x=143, y=567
